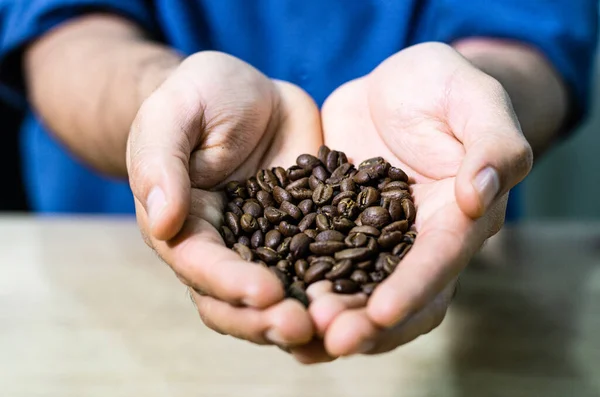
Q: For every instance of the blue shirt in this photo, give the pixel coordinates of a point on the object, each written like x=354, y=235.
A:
x=316, y=44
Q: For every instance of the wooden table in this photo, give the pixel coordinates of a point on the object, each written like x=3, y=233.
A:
x=87, y=310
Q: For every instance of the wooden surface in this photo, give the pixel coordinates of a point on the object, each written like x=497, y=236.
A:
x=87, y=310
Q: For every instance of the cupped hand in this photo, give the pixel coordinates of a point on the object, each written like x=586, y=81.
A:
x=452, y=128
x=217, y=119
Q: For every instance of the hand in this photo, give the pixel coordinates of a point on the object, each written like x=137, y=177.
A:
x=452, y=129
x=217, y=119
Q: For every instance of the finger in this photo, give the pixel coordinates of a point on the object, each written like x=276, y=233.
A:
x=351, y=333
x=284, y=324
x=312, y=353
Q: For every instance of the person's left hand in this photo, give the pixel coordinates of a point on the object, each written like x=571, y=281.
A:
x=452, y=128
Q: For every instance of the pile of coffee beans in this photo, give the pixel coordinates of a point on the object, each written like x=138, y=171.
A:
x=323, y=219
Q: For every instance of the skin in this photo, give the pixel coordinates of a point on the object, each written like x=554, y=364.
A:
x=181, y=128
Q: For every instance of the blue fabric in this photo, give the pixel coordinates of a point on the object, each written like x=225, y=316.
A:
x=316, y=44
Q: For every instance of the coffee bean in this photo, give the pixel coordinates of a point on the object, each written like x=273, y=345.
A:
x=333, y=161
x=263, y=224
x=372, y=244
x=291, y=210
x=371, y=162
x=341, y=269
x=317, y=271
x=288, y=229
x=257, y=239
x=308, y=161
x=253, y=208
x=234, y=189
x=323, y=222
x=365, y=265
x=280, y=195
x=284, y=265
x=300, y=267
x=390, y=264
x=301, y=183
x=340, y=172
x=398, y=226
x=244, y=252
x=369, y=288
x=342, y=224
x=395, y=185
x=366, y=175
x=396, y=194
x=284, y=248
x=368, y=230
x=266, y=180
x=313, y=182
x=396, y=174
x=328, y=259
x=401, y=250
x=228, y=236
x=244, y=240
x=252, y=187
x=273, y=239
x=320, y=173
x=248, y=223
x=307, y=222
x=233, y=223
x=348, y=208
x=267, y=255
x=265, y=199
x=322, y=194
x=375, y=216
x=295, y=172
x=326, y=247
x=381, y=260
x=360, y=277
x=377, y=276
x=280, y=275
x=385, y=203
x=231, y=207
x=301, y=193
x=354, y=254
x=356, y=240
x=368, y=197
x=312, y=233
x=409, y=237
x=345, y=286
x=382, y=183
x=238, y=201
x=409, y=210
x=281, y=176
x=395, y=209
x=328, y=210
x=296, y=291
x=388, y=240
x=330, y=235
x=322, y=154
x=347, y=185
x=343, y=195
x=306, y=206
x=275, y=216
x=299, y=245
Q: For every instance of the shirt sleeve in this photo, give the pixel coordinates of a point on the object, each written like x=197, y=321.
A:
x=565, y=31
x=22, y=21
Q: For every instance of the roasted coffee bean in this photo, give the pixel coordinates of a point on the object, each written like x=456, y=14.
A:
x=367, y=175
x=368, y=230
x=347, y=185
x=343, y=195
x=301, y=193
x=341, y=269
x=401, y=250
x=409, y=237
x=285, y=280
x=409, y=210
x=275, y=216
x=396, y=174
x=356, y=240
x=330, y=235
x=234, y=189
x=253, y=208
x=372, y=244
x=328, y=259
x=322, y=194
x=317, y=271
x=291, y=210
x=328, y=210
x=306, y=206
x=252, y=187
x=257, y=239
x=388, y=240
x=313, y=182
x=267, y=255
x=371, y=162
x=383, y=182
x=264, y=224
x=340, y=172
x=368, y=197
x=273, y=239
x=348, y=208
x=342, y=224
x=381, y=260
x=284, y=248
x=395, y=209
x=390, y=264
x=312, y=233
x=326, y=247
x=366, y=265
x=288, y=229
x=238, y=201
x=301, y=183
x=322, y=154
x=233, y=223
x=396, y=194
x=385, y=203
x=296, y=291
x=281, y=176
x=280, y=195
x=308, y=161
x=231, y=207
x=369, y=288
x=244, y=252
x=395, y=185
x=333, y=160
x=307, y=222
x=244, y=240
x=323, y=222
x=284, y=265
x=265, y=199
x=320, y=173
x=375, y=216
x=354, y=254
x=360, y=277
x=248, y=223
x=377, y=276
x=228, y=236
x=398, y=226
x=266, y=180
x=300, y=267
x=345, y=286
x=299, y=245
x=295, y=172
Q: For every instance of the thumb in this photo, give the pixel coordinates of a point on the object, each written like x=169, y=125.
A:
x=497, y=157
x=158, y=154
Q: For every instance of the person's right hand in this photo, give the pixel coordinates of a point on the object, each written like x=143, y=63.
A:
x=217, y=119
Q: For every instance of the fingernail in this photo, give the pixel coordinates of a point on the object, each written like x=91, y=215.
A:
x=365, y=347
x=487, y=184
x=155, y=203
x=274, y=337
